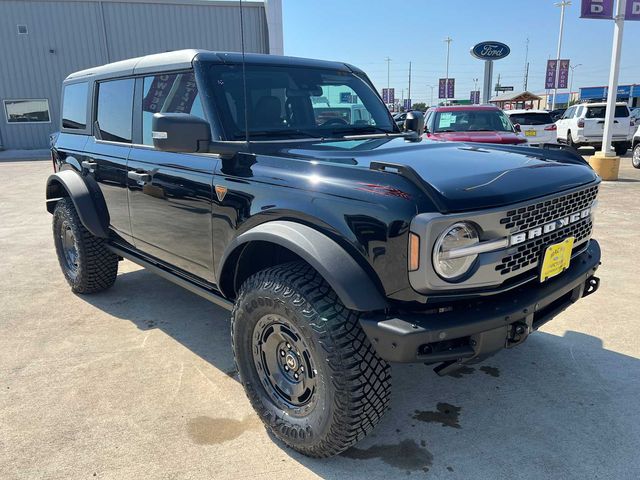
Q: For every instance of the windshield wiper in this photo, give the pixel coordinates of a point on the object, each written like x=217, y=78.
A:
x=361, y=130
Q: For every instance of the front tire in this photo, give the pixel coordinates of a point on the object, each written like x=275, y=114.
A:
x=86, y=263
x=305, y=363
x=620, y=149
x=635, y=159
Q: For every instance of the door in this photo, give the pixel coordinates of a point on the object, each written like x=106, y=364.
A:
x=108, y=148
x=170, y=194
x=563, y=123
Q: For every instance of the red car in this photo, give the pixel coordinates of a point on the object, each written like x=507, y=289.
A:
x=471, y=123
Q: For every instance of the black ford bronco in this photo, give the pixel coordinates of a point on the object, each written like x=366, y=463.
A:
x=281, y=189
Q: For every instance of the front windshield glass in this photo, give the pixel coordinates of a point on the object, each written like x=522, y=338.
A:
x=473, y=121
x=296, y=102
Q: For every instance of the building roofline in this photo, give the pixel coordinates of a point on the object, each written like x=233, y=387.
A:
x=206, y=3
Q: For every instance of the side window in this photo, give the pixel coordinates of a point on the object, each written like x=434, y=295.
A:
x=579, y=111
x=115, y=104
x=74, y=106
x=168, y=93
x=27, y=111
x=569, y=113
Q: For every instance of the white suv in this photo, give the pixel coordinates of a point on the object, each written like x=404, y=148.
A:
x=582, y=125
x=536, y=125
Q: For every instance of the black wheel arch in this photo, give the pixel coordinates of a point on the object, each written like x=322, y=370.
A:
x=280, y=241
x=86, y=199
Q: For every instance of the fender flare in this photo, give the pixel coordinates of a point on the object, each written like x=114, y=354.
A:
x=340, y=270
x=80, y=194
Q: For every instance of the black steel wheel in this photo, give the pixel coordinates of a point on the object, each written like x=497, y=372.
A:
x=305, y=363
x=86, y=263
x=635, y=159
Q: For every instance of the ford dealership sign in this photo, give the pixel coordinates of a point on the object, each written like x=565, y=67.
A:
x=490, y=50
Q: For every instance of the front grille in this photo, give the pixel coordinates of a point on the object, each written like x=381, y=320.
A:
x=529, y=253
x=534, y=215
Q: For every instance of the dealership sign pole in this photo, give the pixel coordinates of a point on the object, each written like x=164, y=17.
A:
x=489, y=51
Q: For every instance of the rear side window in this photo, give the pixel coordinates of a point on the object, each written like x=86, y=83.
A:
x=74, y=106
x=169, y=93
x=531, y=118
x=598, y=112
x=115, y=104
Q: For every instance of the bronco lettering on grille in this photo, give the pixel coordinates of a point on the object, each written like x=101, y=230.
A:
x=521, y=237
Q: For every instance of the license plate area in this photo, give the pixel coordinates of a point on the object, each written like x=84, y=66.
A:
x=530, y=133
x=556, y=258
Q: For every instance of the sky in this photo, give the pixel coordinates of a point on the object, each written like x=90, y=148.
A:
x=365, y=32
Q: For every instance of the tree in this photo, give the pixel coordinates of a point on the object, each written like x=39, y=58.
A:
x=419, y=106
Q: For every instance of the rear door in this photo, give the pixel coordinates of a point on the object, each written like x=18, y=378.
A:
x=594, y=121
x=170, y=194
x=564, y=123
x=107, y=149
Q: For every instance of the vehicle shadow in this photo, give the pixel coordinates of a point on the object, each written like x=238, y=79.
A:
x=557, y=407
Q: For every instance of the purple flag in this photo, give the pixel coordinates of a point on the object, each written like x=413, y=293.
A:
x=602, y=9
x=550, y=78
x=442, y=88
x=392, y=95
x=563, y=74
x=385, y=95
x=633, y=10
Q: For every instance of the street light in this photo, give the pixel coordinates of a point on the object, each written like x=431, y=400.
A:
x=431, y=87
x=562, y=5
x=572, y=67
x=448, y=41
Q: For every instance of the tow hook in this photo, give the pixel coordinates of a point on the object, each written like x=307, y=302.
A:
x=591, y=286
x=518, y=332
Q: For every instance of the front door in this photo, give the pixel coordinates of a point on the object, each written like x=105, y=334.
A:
x=170, y=194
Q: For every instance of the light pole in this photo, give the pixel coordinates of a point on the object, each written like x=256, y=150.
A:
x=388, y=60
x=562, y=5
x=572, y=67
x=431, y=87
x=448, y=41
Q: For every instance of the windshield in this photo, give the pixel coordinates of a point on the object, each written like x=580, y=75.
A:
x=531, y=118
x=472, y=121
x=286, y=102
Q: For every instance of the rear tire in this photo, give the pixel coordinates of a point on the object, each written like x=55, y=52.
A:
x=85, y=261
x=620, y=149
x=635, y=159
x=570, y=141
x=305, y=363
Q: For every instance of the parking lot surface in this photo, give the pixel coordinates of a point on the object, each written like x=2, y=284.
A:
x=138, y=382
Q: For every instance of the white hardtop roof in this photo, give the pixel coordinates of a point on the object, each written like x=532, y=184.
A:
x=598, y=104
x=520, y=110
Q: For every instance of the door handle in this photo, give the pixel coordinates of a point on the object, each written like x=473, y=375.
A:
x=140, y=178
x=89, y=165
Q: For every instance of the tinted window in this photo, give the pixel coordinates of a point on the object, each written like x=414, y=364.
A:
x=599, y=112
x=531, y=118
x=115, y=103
x=168, y=93
x=26, y=111
x=569, y=113
x=74, y=108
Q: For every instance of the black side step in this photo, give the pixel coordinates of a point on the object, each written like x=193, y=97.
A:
x=204, y=292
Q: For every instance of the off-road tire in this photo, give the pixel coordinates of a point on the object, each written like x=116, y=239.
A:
x=635, y=158
x=97, y=267
x=353, y=383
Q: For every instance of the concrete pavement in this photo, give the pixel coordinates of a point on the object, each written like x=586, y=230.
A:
x=138, y=382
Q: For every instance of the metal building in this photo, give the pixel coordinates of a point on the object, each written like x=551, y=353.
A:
x=42, y=41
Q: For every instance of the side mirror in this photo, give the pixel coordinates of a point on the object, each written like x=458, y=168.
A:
x=414, y=122
x=517, y=128
x=180, y=132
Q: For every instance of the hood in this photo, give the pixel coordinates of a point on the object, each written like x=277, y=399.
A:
x=508, y=138
x=464, y=176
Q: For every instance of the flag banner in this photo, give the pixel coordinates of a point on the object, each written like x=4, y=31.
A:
x=563, y=74
x=550, y=77
x=599, y=9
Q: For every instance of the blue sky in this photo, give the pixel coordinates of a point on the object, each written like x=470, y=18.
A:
x=364, y=32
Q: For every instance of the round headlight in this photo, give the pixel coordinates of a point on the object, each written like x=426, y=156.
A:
x=458, y=235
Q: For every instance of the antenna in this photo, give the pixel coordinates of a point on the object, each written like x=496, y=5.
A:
x=244, y=80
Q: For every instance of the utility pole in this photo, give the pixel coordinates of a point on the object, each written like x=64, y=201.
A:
x=572, y=67
x=448, y=41
x=431, y=102
x=562, y=5
x=497, y=85
x=388, y=60
x=526, y=66
x=409, y=94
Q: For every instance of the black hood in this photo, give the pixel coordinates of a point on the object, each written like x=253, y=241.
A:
x=463, y=176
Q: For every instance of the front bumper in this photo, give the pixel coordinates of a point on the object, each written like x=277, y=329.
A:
x=466, y=332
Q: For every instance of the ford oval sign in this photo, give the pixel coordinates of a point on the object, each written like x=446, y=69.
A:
x=490, y=50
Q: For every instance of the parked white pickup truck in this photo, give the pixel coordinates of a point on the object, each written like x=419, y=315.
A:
x=582, y=125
